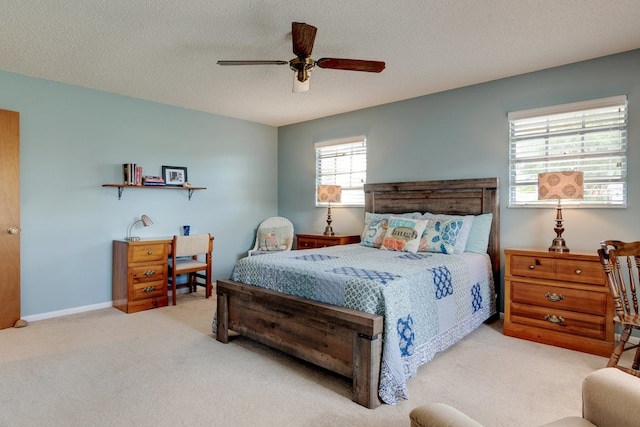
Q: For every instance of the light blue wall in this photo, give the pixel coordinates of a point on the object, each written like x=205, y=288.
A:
x=463, y=133
x=73, y=140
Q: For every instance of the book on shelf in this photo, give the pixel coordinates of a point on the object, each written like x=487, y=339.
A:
x=152, y=180
x=131, y=174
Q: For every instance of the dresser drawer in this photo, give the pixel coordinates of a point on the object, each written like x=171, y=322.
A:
x=145, y=253
x=149, y=290
x=568, y=322
x=560, y=298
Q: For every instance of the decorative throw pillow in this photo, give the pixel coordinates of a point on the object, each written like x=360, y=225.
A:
x=272, y=239
x=375, y=228
x=403, y=234
x=457, y=233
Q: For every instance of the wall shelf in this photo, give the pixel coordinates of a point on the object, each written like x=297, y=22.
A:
x=121, y=188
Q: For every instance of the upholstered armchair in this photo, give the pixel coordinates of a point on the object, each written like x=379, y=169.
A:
x=610, y=398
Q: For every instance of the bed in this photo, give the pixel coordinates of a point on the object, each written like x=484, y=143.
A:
x=360, y=340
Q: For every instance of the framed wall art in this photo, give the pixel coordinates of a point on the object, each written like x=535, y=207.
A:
x=174, y=175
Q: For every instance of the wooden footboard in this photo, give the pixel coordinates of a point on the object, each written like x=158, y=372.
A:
x=344, y=341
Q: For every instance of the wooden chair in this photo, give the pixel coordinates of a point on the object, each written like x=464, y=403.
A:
x=186, y=258
x=274, y=234
x=621, y=263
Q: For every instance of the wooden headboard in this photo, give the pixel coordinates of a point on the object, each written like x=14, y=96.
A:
x=453, y=197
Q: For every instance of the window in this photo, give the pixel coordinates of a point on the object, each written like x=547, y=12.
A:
x=588, y=136
x=343, y=162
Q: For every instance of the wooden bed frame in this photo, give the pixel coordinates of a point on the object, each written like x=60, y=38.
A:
x=346, y=341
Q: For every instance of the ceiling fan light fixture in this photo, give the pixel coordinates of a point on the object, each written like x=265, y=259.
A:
x=301, y=81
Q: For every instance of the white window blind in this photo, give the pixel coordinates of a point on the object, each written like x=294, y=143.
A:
x=588, y=136
x=343, y=162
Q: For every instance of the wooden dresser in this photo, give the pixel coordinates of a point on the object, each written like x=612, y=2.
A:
x=140, y=274
x=312, y=241
x=560, y=299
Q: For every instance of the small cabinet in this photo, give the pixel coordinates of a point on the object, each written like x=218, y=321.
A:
x=560, y=299
x=312, y=241
x=140, y=274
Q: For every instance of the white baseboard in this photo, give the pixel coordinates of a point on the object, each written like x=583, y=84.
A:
x=74, y=310
x=68, y=311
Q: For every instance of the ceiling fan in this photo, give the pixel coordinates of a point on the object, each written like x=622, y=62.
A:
x=303, y=36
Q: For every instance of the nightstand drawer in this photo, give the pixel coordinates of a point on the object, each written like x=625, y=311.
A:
x=147, y=303
x=312, y=241
x=559, y=298
x=149, y=290
x=568, y=322
x=145, y=253
x=529, y=266
x=147, y=273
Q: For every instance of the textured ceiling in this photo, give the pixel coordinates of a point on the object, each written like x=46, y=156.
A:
x=166, y=50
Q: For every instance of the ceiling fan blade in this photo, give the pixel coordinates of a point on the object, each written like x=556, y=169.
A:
x=303, y=36
x=351, y=64
x=249, y=62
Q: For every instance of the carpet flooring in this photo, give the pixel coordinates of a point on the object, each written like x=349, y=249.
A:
x=163, y=367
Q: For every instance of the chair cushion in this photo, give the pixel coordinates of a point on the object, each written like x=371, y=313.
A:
x=188, y=263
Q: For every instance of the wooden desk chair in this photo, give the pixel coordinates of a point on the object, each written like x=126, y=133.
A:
x=621, y=262
x=186, y=258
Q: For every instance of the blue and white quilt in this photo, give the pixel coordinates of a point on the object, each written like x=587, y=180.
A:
x=429, y=301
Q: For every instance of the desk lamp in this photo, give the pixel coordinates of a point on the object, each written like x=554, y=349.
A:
x=145, y=220
x=329, y=194
x=560, y=185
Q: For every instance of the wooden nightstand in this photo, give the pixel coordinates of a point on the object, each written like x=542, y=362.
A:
x=560, y=299
x=311, y=241
x=140, y=274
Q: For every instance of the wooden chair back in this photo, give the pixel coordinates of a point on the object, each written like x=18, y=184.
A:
x=185, y=254
x=621, y=264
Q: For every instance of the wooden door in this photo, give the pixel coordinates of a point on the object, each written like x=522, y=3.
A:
x=9, y=218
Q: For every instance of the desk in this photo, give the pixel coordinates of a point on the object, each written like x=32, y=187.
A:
x=140, y=271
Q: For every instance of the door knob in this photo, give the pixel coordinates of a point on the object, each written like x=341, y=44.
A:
x=12, y=230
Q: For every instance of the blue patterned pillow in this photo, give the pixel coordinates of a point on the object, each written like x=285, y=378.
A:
x=455, y=230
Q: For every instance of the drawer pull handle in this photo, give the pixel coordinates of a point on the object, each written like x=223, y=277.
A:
x=554, y=297
x=531, y=267
x=149, y=273
x=578, y=271
x=149, y=289
x=149, y=252
x=552, y=318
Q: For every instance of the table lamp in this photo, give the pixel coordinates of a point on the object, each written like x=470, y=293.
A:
x=329, y=194
x=560, y=185
x=145, y=220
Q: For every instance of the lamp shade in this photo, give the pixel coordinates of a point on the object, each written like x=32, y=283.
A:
x=329, y=193
x=146, y=220
x=560, y=185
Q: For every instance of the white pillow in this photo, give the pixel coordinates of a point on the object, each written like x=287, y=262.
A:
x=403, y=234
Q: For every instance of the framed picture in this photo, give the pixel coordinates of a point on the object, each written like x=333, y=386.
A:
x=174, y=175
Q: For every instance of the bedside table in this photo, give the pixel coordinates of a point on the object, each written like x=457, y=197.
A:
x=560, y=299
x=140, y=274
x=312, y=241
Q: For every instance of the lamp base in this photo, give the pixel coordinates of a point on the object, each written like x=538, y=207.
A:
x=558, y=245
x=329, y=231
